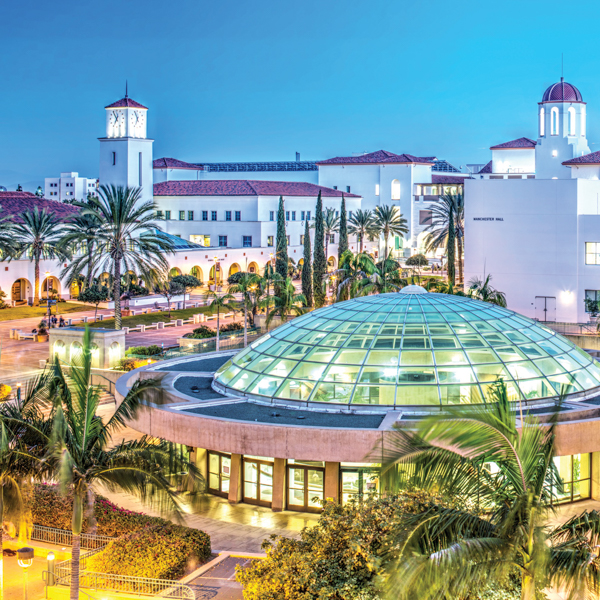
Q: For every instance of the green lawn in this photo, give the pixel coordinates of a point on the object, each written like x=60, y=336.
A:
x=24, y=312
x=154, y=317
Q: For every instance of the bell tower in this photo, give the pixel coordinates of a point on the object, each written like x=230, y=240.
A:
x=126, y=152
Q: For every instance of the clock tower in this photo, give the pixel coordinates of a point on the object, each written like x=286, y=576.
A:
x=126, y=152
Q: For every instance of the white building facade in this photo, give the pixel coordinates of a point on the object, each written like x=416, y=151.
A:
x=69, y=186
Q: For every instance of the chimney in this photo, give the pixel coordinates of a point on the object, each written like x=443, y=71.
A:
x=297, y=156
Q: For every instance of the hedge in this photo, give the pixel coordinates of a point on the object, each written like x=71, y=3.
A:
x=144, y=350
x=161, y=552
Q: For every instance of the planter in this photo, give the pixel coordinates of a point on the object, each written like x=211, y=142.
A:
x=126, y=313
x=42, y=338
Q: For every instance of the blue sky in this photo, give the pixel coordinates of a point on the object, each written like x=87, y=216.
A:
x=241, y=80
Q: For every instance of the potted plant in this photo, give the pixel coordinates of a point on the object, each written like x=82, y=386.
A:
x=591, y=307
x=42, y=332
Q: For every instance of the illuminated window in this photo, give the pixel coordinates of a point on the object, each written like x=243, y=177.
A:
x=571, y=121
x=574, y=471
x=542, y=122
x=269, y=240
x=554, y=121
x=395, y=190
x=592, y=253
x=377, y=189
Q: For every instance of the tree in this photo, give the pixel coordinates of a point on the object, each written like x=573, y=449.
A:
x=417, y=260
x=39, y=235
x=449, y=552
x=39, y=192
x=169, y=288
x=79, y=454
x=129, y=239
x=343, y=230
x=94, y=295
x=269, y=277
x=219, y=302
x=246, y=286
x=320, y=260
x=187, y=283
x=362, y=225
x=480, y=289
x=287, y=302
x=353, y=274
x=331, y=225
x=281, y=255
x=307, y=284
x=389, y=221
x=446, y=230
x=384, y=278
x=80, y=235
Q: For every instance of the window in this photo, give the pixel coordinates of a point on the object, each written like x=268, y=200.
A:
x=293, y=215
x=228, y=215
x=377, y=189
x=542, y=122
x=395, y=190
x=167, y=215
x=308, y=215
x=269, y=240
x=223, y=241
x=205, y=215
x=190, y=215
x=592, y=253
x=302, y=213
x=554, y=121
x=425, y=217
x=247, y=241
x=302, y=240
x=332, y=238
x=571, y=113
x=114, y=158
x=238, y=215
x=182, y=215
x=593, y=296
x=574, y=470
x=213, y=215
x=288, y=239
x=271, y=215
x=287, y=215
x=348, y=189
x=159, y=214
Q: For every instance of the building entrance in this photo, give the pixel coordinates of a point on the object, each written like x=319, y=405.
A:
x=545, y=308
x=219, y=473
x=305, y=487
x=258, y=482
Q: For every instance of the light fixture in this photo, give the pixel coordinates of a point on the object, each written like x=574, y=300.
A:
x=25, y=560
x=50, y=558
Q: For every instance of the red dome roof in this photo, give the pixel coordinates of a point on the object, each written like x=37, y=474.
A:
x=562, y=92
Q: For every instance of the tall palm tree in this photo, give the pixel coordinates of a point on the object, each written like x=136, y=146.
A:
x=219, y=301
x=450, y=552
x=447, y=230
x=79, y=452
x=38, y=234
x=389, y=221
x=353, y=274
x=246, y=286
x=129, y=238
x=362, y=225
x=287, y=302
x=331, y=225
x=270, y=277
x=81, y=234
x=480, y=289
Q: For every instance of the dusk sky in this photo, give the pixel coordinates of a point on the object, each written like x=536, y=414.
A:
x=249, y=81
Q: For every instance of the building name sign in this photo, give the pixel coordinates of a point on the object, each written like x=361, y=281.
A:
x=488, y=219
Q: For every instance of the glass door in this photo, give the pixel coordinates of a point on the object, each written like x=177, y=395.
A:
x=358, y=483
x=305, y=487
x=219, y=473
x=258, y=482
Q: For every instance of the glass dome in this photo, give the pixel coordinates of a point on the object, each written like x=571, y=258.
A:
x=408, y=348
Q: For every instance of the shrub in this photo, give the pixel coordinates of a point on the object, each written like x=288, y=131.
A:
x=235, y=278
x=231, y=327
x=129, y=363
x=152, y=350
x=162, y=552
x=5, y=391
x=417, y=260
x=201, y=333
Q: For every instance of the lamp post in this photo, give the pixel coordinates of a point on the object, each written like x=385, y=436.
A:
x=50, y=557
x=19, y=392
x=25, y=560
x=216, y=259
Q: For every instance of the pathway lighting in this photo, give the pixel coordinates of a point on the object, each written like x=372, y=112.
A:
x=25, y=560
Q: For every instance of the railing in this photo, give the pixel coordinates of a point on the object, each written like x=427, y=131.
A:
x=202, y=346
x=63, y=537
x=571, y=328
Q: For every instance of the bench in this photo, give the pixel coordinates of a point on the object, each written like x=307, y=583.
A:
x=26, y=336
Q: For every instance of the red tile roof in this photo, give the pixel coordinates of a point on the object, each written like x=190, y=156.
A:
x=244, y=187
x=518, y=143
x=487, y=168
x=587, y=159
x=562, y=92
x=173, y=163
x=13, y=203
x=126, y=102
x=448, y=179
x=374, y=158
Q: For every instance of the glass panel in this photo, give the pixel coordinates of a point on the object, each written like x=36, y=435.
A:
x=416, y=375
x=383, y=357
x=343, y=374
x=333, y=392
x=250, y=490
x=266, y=493
x=374, y=394
x=213, y=463
x=378, y=375
x=250, y=471
x=296, y=494
x=225, y=484
x=315, y=488
x=213, y=481
x=417, y=394
x=295, y=390
x=416, y=358
x=307, y=370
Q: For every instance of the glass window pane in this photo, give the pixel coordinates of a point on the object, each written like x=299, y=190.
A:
x=342, y=373
x=374, y=394
x=294, y=389
x=417, y=394
x=333, y=392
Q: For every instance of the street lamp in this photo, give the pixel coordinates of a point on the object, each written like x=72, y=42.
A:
x=25, y=560
x=271, y=258
x=50, y=557
x=216, y=259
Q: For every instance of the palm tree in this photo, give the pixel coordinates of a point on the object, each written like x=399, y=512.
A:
x=270, y=276
x=389, y=221
x=246, y=286
x=81, y=233
x=129, y=238
x=353, y=274
x=384, y=278
x=448, y=552
x=447, y=230
x=480, y=289
x=79, y=452
x=39, y=235
x=362, y=225
x=219, y=302
x=331, y=225
x=288, y=302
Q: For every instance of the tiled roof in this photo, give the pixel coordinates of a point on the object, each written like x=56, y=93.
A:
x=173, y=163
x=126, y=102
x=487, y=168
x=587, y=159
x=244, y=187
x=562, y=92
x=374, y=158
x=13, y=203
x=448, y=179
x=522, y=142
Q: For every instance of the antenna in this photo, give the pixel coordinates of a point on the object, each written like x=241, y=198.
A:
x=126, y=88
x=562, y=65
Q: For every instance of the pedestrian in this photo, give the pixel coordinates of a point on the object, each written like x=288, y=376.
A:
x=61, y=322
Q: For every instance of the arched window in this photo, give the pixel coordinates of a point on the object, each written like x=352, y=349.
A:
x=554, y=121
x=542, y=122
x=395, y=190
x=571, y=121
